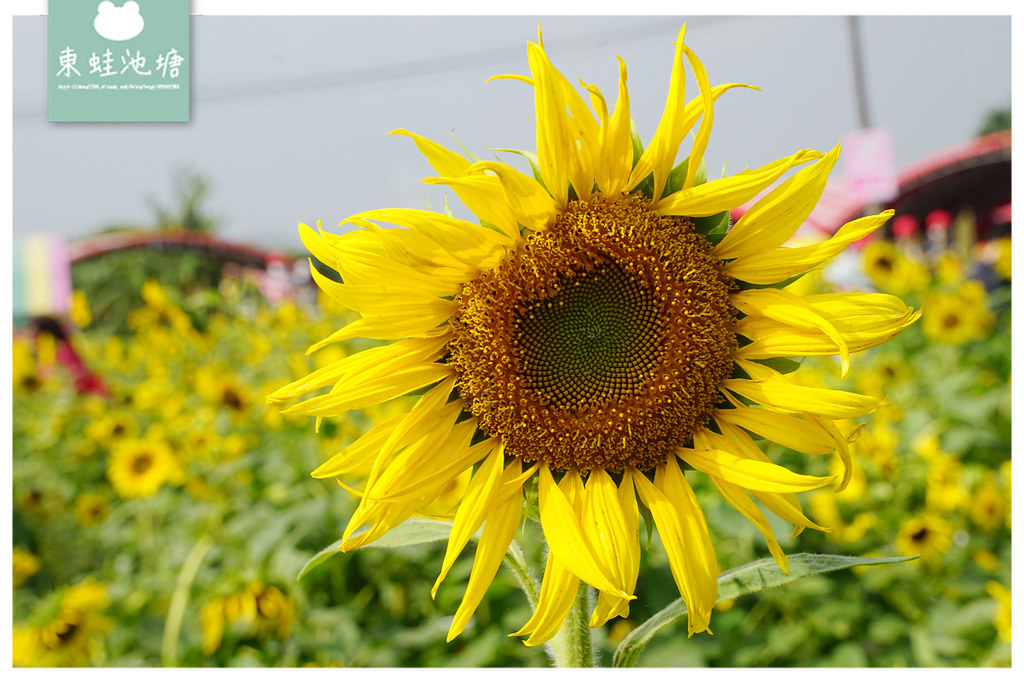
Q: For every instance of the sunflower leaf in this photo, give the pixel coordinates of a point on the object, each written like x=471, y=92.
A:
x=409, y=532
x=749, y=578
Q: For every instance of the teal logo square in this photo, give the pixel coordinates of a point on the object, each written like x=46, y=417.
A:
x=121, y=60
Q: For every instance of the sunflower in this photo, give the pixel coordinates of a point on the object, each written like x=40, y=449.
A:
x=24, y=565
x=91, y=508
x=601, y=329
x=258, y=611
x=66, y=629
x=892, y=270
x=1004, y=602
x=957, y=317
x=139, y=467
x=927, y=535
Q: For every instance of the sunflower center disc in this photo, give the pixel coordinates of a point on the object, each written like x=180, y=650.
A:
x=599, y=343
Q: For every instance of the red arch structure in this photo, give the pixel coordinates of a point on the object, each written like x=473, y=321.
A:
x=173, y=240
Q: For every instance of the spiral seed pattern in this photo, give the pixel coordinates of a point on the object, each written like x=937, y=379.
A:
x=600, y=342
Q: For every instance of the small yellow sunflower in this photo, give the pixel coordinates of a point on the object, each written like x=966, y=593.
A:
x=956, y=317
x=891, y=270
x=601, y=329
x=1004, y=601
x=66, y=630
x=24, y=565
x=927, y=535
x=91, y=507
x=137, y=468
x=988, y=504
x=257, y=611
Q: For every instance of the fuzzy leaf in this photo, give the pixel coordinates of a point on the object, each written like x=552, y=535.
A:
x=749, y=578
x=409, y=532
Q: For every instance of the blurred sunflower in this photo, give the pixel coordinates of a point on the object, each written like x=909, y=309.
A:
x=24, y=565
x=91, y=507
x=956, y=317
x=601, y=329
x=257, y=611
x=1004, y=602
x=927, y=535
x=223, y=390
x=65, y=629
x=139, y=467
x=988, y=503
x=891, y=270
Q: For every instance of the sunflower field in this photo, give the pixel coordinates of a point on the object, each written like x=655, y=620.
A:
x=166, y=520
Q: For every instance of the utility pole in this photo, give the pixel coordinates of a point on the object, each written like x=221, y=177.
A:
x=860, y=87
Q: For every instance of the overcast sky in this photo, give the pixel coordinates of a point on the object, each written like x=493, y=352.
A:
x=289, y=115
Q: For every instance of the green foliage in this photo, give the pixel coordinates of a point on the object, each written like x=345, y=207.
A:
x=241, y=518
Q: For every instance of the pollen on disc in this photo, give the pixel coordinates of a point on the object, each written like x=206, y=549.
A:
x=601, y=342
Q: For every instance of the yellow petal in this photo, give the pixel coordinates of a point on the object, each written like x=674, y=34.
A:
x=360, y=454
x=740, y=500
x=377, y=390
x=497, y=533
x=785, y=505
x=700, y=141
x=557, y=594
x=773, y=390
x=382, y=359
x=725, y=194
x=777, y=215
x=684, y=533
x=559, y=586
x=606, y=526
x=776, y=265
x=484, y=195
x=473, y=245
x=616, y=156
x=554, y=138
x=750, y=474
x=566, y=538
x=528, y=200
x=627, y=553
x=790, y=309
x=790, y=431
x=444, y=161
x=476, y=504
x=659, y=157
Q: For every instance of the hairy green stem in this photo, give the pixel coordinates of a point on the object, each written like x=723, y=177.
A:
x=572, y=645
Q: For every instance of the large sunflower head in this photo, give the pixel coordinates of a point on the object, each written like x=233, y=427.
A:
x=603, y=327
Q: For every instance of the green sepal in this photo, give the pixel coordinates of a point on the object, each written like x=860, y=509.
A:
x=648, y=521
x=677, y=176
x=749, y=578
x=714, y=228
x=775, y=285
x=638, y=144
x=530, y=157
x=781, y=364
x=472, y=157
x=409, y=532
x=646, y=186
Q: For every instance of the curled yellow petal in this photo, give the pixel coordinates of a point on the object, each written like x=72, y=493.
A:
x=684, y=533
x=566, y=538
x=750, y=474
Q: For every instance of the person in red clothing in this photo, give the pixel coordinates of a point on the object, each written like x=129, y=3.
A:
x=86, y=381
